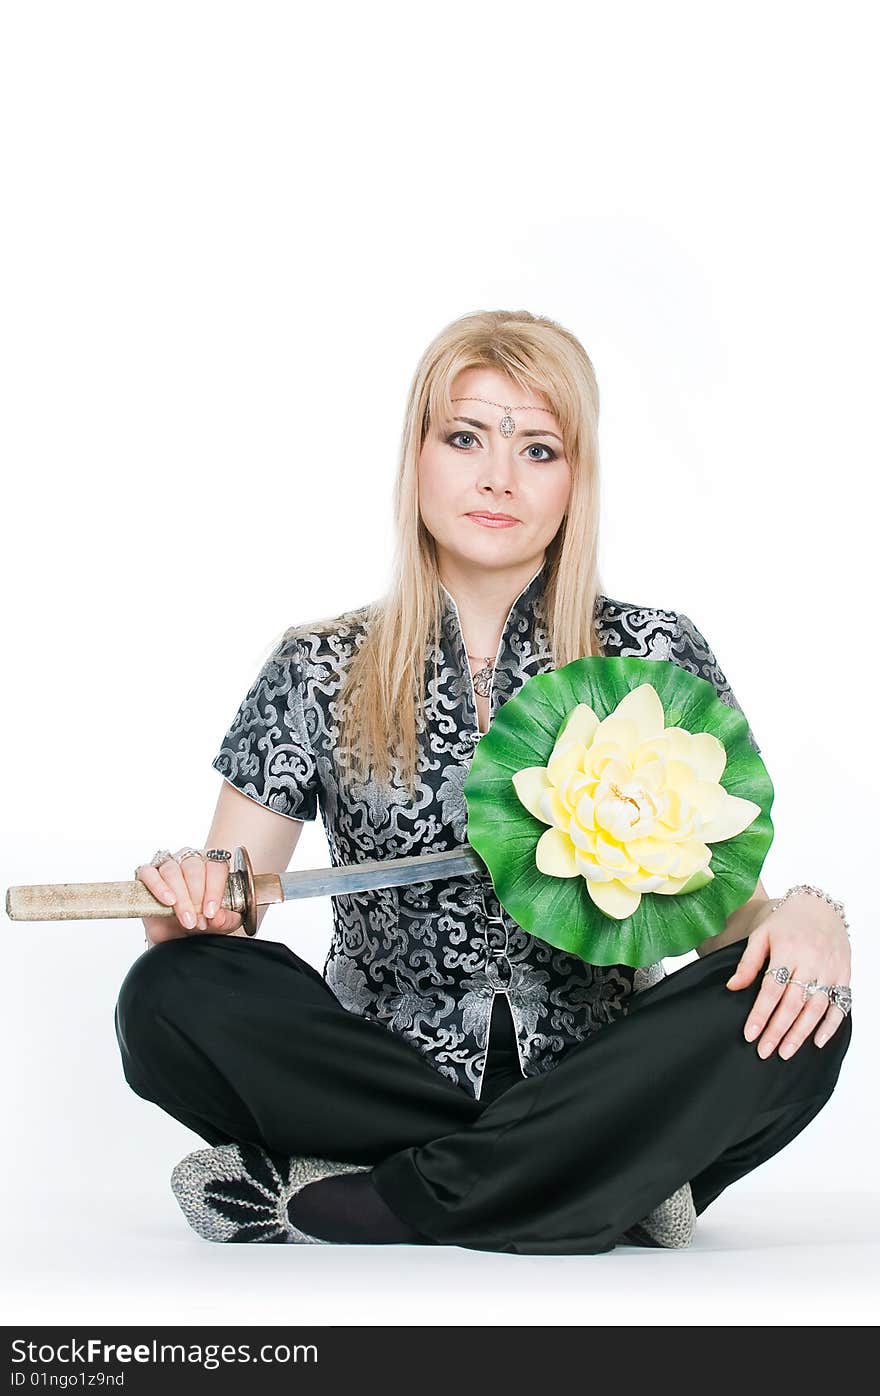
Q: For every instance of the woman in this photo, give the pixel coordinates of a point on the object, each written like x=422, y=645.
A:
x=450, y=1078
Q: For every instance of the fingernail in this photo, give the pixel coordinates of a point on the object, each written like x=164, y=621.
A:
x=820, y=1041
x=764, y=1050
x=210, y=908
x=751, y=1031
x=787, y=1050
x=188, y=919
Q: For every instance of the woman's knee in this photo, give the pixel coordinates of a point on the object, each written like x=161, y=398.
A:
x=143, y=990
x=834, y=1049
x=174, y=964
x=810, y=1067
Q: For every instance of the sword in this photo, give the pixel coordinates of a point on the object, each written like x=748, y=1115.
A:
x=245, y=892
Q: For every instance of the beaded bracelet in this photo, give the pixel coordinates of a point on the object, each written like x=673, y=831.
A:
x=816, y=892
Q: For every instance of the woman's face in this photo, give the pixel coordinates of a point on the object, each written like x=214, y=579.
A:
x=468, y=466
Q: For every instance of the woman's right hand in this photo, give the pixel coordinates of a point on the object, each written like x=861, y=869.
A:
x=193, y=887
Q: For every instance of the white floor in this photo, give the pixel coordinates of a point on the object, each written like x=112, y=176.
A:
x=761, y=1257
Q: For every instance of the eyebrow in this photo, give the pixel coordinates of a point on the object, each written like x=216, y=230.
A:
x=472, y=422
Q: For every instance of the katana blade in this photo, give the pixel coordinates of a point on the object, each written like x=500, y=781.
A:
x=380, y=872
x=246, y=891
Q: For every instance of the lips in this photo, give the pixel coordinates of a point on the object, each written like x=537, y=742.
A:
x=492, y=518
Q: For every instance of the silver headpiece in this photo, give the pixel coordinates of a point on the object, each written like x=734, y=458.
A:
x=507, y=426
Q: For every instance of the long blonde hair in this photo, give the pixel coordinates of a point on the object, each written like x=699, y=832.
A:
x=385, y=683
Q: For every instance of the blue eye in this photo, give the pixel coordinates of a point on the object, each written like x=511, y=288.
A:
x=535, y=445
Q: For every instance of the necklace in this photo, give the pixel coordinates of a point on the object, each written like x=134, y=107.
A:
x=483, y=677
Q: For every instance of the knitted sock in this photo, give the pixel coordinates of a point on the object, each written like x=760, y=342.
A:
x=347, y=1208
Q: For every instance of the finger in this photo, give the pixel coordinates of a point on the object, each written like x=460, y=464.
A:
x=224, y=920
x=216, y=876
x=832, y=1020
x=769, y=995
x=796, y=1035
x=751, y=960
x=790, y=1007
x=184, y=909
x=193, y=869
x=152, y=879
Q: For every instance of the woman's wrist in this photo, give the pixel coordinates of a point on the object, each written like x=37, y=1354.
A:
x=814, y=892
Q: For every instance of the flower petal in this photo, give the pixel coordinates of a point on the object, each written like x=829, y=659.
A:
x=613, y=855
x=734, y=815
x=681, y=778
x=554, y=854
x=707, y=755
x=591, y=869
x=622, y=733
x=553, y=810
x=579, y=727
x=654, y=855
x=530, y=784
x=642, y=707
x=643, y=881
x=649, y=769
x=585, y=811
x=565, y=760
x=583, y=839
x=693, y=854
x=614, y=899
x=699, y=879
x=576, y=785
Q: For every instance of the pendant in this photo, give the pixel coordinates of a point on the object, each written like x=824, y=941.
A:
x=483, y=680
x=507, y=426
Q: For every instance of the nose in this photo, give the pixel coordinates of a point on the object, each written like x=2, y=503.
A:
x=497, y=470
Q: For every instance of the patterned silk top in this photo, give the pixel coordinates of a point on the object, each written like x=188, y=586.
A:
x=426, y=960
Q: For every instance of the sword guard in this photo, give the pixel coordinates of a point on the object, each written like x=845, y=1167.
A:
x=241, y=896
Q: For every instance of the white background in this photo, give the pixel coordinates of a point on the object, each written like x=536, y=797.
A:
x=228, y=233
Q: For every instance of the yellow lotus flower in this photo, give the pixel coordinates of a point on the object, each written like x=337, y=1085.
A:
x=632, y=805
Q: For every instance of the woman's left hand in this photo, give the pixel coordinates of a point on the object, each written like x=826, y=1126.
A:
x=808, y=936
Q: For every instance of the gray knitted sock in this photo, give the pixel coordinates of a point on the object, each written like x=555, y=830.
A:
x=671, y=1223
x=240, y=1192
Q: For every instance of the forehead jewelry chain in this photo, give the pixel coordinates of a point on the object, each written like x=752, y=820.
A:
x=507, y=426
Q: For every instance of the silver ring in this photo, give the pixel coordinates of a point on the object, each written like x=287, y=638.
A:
x=781, y=975
x=160, y=856
x=810, y=987
x=839, y=994
x=184, y=853
x=218, y=855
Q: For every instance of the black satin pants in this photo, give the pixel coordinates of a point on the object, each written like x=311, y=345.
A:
x=242, y=1039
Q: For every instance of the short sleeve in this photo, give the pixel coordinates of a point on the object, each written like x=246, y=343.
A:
x=266, y=752
x=695, y=654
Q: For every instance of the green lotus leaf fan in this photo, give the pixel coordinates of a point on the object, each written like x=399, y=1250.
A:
x=620, y=809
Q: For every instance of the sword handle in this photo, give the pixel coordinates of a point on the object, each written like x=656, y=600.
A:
x=103, y=901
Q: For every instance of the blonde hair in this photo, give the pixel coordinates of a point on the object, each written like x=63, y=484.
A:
x=384, y=688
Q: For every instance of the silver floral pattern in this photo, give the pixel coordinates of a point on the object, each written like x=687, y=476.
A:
x=425, y=961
